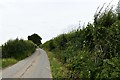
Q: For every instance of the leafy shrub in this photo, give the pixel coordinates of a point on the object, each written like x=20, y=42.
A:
x=18, y=49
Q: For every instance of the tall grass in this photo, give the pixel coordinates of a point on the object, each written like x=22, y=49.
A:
x=57, y=68
x=8, y=61
x=0, y=63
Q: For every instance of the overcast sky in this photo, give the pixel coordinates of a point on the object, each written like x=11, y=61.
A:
x=48, y=18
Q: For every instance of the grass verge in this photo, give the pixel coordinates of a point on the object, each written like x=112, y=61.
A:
x=7, y=62
x=0, y=63
x=57, y=68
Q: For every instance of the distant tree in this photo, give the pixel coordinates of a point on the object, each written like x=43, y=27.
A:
x=35, y=38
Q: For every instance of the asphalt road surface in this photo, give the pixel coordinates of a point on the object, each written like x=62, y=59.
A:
x=35, y=66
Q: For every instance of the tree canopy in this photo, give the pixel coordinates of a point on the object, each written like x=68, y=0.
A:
x=35, y=38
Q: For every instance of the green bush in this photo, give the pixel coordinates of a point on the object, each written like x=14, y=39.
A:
x=18, y=49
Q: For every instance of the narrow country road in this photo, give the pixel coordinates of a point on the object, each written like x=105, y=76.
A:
x=35, y=66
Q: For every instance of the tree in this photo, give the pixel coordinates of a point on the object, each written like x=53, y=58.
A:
x=118, y=10
x=35, y=38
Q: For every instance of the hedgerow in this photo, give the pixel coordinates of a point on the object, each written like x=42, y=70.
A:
x=92, y=52
x=18, y=49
